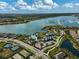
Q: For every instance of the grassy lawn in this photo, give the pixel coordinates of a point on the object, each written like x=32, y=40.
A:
x=53, y=52
x=2, y=44
x=76, y=58
x=6, y=53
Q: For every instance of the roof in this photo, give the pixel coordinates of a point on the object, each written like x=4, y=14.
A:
x=60, y=55
x=11, y=46
x=49, y=33
x=24, y=53
x=17, y=56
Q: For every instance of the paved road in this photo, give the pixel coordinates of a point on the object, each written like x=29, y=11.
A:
x=58, y=40
x=37, y=52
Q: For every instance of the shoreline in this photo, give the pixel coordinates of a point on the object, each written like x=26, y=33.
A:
x=12, y=23
x=18, y=19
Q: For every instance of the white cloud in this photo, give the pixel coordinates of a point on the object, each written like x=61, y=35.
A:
x=30, y=8
x=23, y=5
x=48, y=2
x=11, y=8
x=3, y=5
x=55, y=5
x=6, y=7
x=77, y=4
x=43, y=4
x=71, y=5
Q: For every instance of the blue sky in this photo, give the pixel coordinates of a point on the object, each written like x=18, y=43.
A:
x=39, y=6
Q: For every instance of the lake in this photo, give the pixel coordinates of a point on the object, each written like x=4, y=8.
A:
x=37, y=25
x=68, y=45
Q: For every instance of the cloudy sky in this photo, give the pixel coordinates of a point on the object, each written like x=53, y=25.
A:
x=39, y=6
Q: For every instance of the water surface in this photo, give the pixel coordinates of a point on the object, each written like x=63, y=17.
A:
x=68, y=45
x=36, y=26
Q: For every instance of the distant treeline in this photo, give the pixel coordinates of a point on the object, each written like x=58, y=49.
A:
x=32, y=15
x=24, y=18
